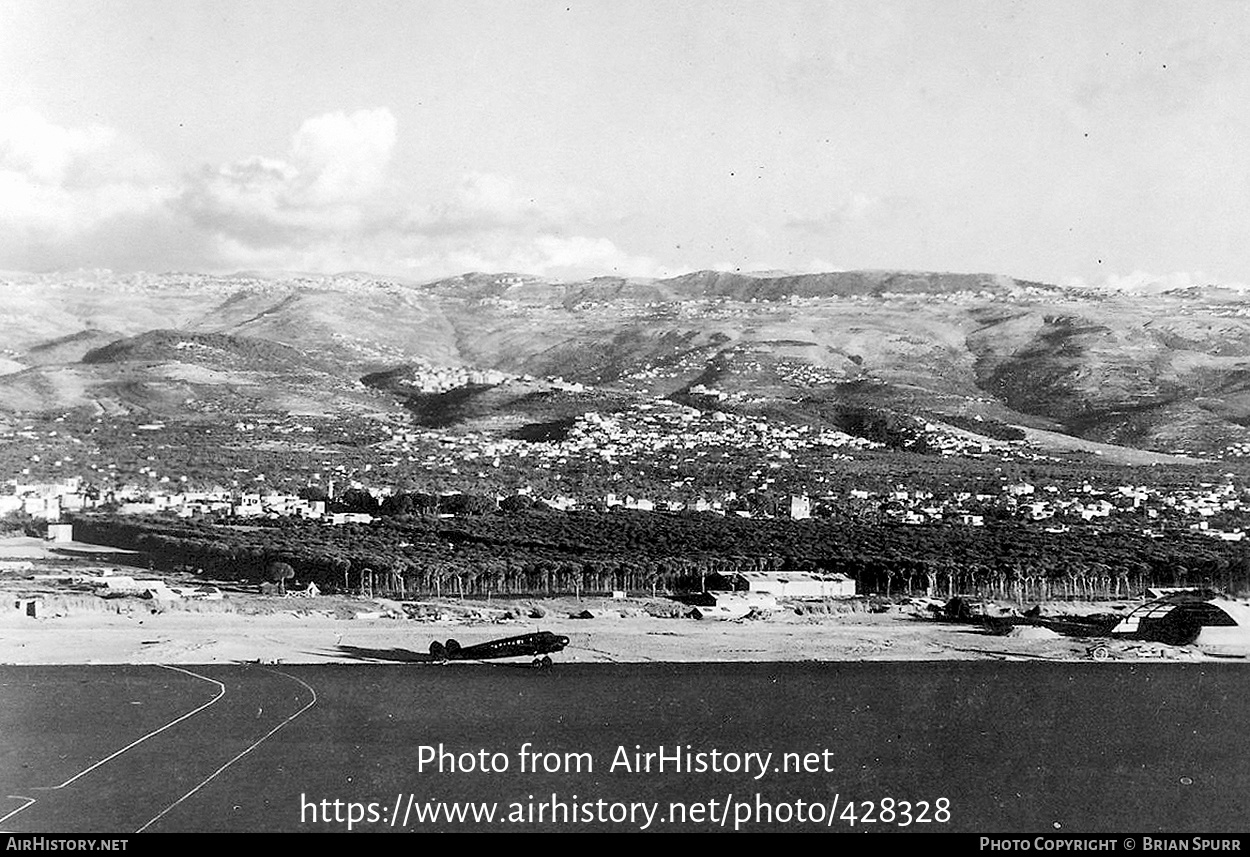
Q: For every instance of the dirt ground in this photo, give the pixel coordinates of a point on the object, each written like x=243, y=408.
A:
x=74, y=625
x=135, y=634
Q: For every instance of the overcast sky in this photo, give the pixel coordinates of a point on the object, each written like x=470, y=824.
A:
x=1062, y=141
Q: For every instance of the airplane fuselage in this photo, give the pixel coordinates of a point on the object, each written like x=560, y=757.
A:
x=524, y=645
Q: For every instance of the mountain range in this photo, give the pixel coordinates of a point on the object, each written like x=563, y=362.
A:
x=1166, y=372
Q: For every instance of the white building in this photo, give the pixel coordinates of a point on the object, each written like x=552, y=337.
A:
x=48, y=508
x=60, y=532
x=795, y=584
x=800, y=508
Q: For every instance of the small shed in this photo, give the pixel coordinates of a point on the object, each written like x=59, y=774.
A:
x=795, y=584
x=60, y=533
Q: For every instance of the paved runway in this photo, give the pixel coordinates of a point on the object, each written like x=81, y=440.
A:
x=169, y=733
x=1015, y=747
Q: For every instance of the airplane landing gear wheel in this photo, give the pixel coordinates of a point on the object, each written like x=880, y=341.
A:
x=546, y=662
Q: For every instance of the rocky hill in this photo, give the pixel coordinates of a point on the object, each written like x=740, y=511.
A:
x=1162, y=372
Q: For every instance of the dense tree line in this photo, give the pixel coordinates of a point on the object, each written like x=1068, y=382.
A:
x=532, y=552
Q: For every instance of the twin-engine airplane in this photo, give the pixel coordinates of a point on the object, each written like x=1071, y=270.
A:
x=541, y=644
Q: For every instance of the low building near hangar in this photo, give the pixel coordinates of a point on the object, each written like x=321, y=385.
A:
x=794, y=584
x=60, y=532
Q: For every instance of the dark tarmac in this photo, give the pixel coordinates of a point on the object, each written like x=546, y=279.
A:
x=1014, y=747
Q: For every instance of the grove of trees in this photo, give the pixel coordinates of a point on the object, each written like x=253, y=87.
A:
x=544, y=552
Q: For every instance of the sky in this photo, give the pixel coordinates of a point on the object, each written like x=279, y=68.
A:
x=1101, y=143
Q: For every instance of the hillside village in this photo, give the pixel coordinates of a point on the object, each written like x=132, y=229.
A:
x=654, y=432
x=654, y=455
x=1067, y=360
x=916, y=403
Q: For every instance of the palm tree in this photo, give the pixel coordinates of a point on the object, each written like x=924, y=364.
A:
x=280, y=573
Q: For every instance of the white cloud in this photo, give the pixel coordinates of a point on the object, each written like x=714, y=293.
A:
x=335, y=165
x=45, y=153
x=58, y=183
x=568, y=255
x=341, y=157
x=559, y=256
x=324, y=207
x=486, y=201
x=423, y=259
x=72, y=197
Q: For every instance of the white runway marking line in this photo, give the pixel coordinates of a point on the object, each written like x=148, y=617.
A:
x=29, y=801
x=249, y=749
x=221, y=691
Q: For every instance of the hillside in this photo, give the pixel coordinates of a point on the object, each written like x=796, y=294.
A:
x=1161, y=372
